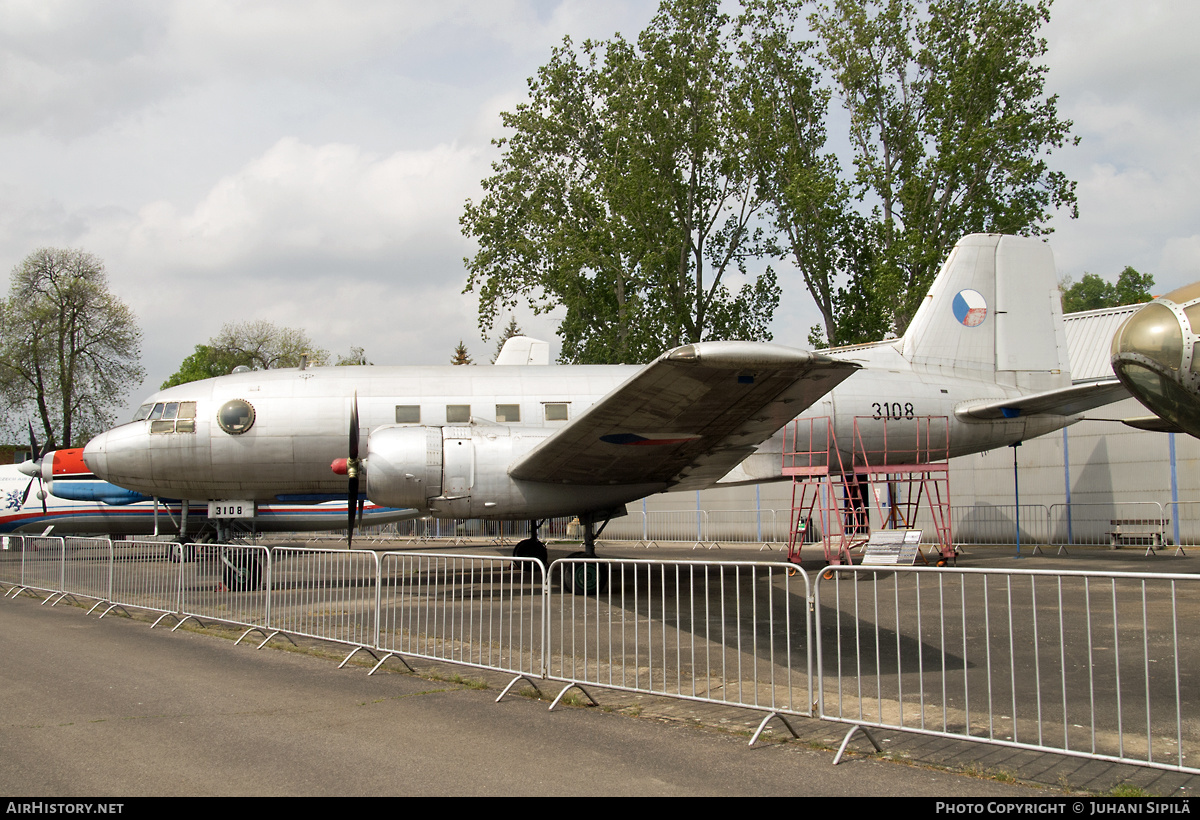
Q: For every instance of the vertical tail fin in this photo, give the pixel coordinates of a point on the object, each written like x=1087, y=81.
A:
x=994, y=309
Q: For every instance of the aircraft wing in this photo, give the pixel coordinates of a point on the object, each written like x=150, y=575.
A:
x=1066, y=401
x=686, y=419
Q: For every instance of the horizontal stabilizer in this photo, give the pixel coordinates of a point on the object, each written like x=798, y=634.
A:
x=1153, y=423
x=686, y=419
x=1065, y=401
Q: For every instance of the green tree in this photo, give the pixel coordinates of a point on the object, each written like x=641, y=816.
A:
x=69, y=348
x=460, y=354
x=258, y=345
x=1092, y=293
x=1133, y=288
x=626, y=195
x=808, y=203
x=950, y=128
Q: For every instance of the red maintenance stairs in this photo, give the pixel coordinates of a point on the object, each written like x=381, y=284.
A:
x=882, y=481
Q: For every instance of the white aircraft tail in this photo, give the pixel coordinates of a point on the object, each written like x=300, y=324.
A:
x=994, y=312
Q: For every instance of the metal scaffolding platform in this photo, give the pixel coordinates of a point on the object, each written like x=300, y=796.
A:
x=899, y=468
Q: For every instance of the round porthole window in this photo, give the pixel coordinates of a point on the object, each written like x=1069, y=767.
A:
x=236, y=416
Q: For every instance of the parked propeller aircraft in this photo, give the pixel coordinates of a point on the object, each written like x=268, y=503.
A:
x=986, y=350
x=70, y=500
x=1155, y=354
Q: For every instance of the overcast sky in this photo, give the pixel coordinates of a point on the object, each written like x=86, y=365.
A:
x=306, y=162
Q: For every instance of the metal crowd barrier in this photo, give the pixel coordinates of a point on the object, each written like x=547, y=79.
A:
x=1088, y=524
x=728, y=632
x=474, y=610
x=1083, y=664
x=328, y=594
x=12, y=562
x=226, y=583
x=41, y=563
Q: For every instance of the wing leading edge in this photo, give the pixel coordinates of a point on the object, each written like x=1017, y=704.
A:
x=1067, y=401
x=686, y=419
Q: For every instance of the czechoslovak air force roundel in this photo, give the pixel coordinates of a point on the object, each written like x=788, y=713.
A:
x=970, y=309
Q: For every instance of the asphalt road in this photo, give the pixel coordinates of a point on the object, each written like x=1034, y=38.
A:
x=113, y=708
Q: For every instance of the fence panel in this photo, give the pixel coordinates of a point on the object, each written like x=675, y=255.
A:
x=1086, y=524
x=476, y=610
x=997, y=524
x=1183, y=523
x=744, y=527
x=42, y=563
x=730, y=632
x=328, y=594
x=686, y=526
x=145, y=575
x=12, y=557
x=226, y=583
x=87, y=567
x=1085, y=664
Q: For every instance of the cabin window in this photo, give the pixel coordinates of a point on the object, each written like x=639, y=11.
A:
x=508, y=412
x=556, y=411
x=458, y=413
x=408, y=414
x=236, y=416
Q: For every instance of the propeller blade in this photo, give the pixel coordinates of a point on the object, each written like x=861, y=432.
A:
x=35, y=456
x=351, y=495
x=354, y=427
x=352, y=472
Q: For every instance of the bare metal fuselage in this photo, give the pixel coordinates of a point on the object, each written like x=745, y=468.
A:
x=301, y=426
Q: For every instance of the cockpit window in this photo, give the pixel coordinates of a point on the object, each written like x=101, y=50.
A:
x=143, y=412
x=236, y=416
x=172, y=417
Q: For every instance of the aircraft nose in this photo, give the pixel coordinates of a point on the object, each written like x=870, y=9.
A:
x=95, y=456
x=1153, y=332
x=1155, y=355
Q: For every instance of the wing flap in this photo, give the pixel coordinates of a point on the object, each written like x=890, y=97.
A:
x=1065, y=401
x=686, y=419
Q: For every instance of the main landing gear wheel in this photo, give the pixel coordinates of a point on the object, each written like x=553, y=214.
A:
x=241, y=571
x=531, y=548
x=585, y=578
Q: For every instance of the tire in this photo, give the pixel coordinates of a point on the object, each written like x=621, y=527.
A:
x=531, y=548
x=588, y=578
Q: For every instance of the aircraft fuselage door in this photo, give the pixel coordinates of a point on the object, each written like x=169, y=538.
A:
x=458, y=467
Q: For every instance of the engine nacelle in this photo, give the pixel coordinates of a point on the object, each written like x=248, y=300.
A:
x=404, y=466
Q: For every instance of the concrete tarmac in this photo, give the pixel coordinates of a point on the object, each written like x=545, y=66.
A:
x=114, y=708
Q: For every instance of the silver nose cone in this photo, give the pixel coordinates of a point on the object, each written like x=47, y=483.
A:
x=121, y=456
x=1156, y=355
